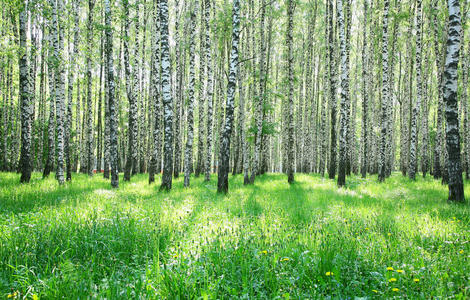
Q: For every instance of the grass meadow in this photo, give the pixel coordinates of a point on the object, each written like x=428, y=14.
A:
x=271, y=240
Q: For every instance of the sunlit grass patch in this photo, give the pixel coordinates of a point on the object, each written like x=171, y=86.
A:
x=268, y=240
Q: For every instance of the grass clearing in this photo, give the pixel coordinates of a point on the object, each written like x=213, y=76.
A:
x=270, y=240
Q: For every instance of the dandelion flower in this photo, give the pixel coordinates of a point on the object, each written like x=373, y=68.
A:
x=264, y=252
x=285, y=259
x=393, y=279
x=375, y=291
x=13, y=295
x=395, y=290
x=35, y=297
x=389, y=234
x=400, y=271
x=461, y=251
x=175, y=256
x=329, y=273
x=389, y=268
x=416, y=280
x=367, y=228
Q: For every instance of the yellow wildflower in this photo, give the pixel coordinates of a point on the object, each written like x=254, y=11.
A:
x=416, y=280
x=285, y=259
x=35, y=297
x=395, y=290
x=393, y=279
x=389, y=268
x=400, y=271
x=367, y=228
x=461, y=251
x=389, y=234
x=175, y=256
x=375, y=291
x=329, y=273
x=13, y=295
x=264, y=252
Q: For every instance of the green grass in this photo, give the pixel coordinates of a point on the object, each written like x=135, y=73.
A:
x=270, y=240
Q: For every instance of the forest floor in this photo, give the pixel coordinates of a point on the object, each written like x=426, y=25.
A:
x=270, y=240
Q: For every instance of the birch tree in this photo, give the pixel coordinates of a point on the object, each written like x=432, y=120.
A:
x=456, y=192
x=209, y=91
x=109, y=69
x=167, y=99
x=25, y=102
x=155, y=93
x=89, y=101
x=344, y=117
x=385, y=95
x=413, y=166
x=222, y=183
x=290, y=108
x=188, y=155
x=58, y=42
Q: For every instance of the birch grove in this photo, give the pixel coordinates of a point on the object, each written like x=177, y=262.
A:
x=236, y=88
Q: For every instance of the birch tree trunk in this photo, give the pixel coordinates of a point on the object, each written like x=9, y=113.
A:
x=60, y=88
x=201, y=96
x=50, y=146
x=456, y=191
x=99, y=126
x=188, y=155
x=132, y=85
x=155, y=93
x=332, y=93
x=209, y=92
x=413, y=166
x=24, y=99
x=89, y=143
x=222, y=183
x=437, y=172
x=344, y=113
x=259, y=103
x=113, y=129
x=385, y=95
x=178, y=94
x=465, y=66
x=71, y=76
x=167, y=99
x=290, y=108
